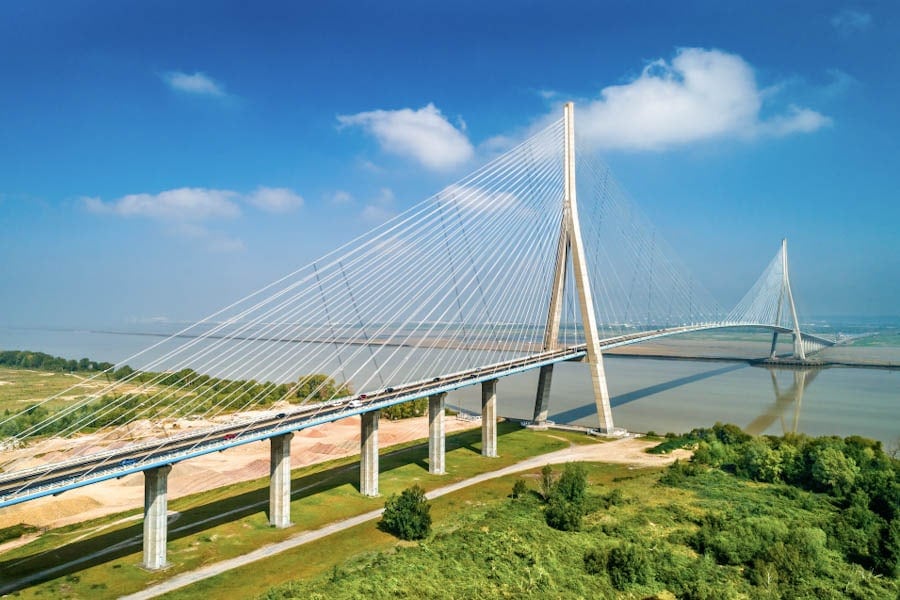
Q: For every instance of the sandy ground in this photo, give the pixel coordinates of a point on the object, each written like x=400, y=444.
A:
x=251, y=461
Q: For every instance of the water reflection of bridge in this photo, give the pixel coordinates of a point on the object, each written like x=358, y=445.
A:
x=784, y=400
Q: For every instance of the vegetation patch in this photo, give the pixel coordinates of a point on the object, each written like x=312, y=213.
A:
x=695, y=531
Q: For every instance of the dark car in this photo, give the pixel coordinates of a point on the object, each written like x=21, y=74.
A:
x=436, y=379
x=363, y=396
x=280, y=416
x=230, y=436
x=127, y=462
x=388, y=390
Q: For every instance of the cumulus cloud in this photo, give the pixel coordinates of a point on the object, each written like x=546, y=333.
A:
x=700, y=95
x=424, y=135
x=276, y=200
x=181, y=204
x=198, y=83
x=849, y=21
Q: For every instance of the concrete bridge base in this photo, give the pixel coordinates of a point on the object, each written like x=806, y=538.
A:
x=368, y=460
x=542, y=399
x=280, y=481
x=437, y=438
x=489, y=418
x=156, y=506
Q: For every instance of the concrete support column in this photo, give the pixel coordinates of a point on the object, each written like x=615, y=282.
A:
x=542, y=400
x=436, y=434
x=489, y=418
x=368, y=450
x=155, y=516
x=280, y=481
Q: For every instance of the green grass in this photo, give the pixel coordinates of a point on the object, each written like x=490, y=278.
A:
x=202, y=535
x=486, y=545
x=24, y=387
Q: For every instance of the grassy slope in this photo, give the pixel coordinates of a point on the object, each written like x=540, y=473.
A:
x=501, y=548
x=231, y=521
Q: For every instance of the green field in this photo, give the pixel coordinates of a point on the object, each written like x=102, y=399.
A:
x=21, y=388
x=231, y=521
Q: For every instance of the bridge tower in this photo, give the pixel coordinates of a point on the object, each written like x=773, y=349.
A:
x=786, y=291
x=570, y=250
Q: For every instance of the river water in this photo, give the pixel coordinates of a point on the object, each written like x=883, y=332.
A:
x=658, y=394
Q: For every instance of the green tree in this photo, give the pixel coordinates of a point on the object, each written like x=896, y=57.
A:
x=833, y=472
x=548, y=480
x=408, y=516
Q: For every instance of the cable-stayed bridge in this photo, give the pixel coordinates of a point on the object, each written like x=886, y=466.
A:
x=518, y=266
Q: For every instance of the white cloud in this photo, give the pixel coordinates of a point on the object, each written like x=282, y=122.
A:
x=701, y=95
x=276, y=200
x=341, y=198
x=181, y=204
x=424, y=135
x=850, y=21
x=381, y=208
x=198, y=83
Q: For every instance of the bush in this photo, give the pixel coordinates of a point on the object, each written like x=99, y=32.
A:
x=595, y=561
x=628, y=563
x=408, y=516
x=519, y=488
x=564, y=515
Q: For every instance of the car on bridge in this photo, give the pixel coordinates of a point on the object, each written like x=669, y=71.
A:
x=230, y=436
x=127, y=462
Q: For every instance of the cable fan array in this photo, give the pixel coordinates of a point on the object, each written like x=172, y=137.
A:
x=637, y=280
x=458, y=281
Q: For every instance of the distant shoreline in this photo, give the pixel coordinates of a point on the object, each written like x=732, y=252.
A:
x=760, y=362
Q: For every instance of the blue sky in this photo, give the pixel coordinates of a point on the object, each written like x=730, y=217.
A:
x=164, y=158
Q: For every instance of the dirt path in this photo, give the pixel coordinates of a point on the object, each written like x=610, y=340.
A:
x=628, y=451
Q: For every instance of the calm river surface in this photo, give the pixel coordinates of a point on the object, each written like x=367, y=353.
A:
x=647, y=393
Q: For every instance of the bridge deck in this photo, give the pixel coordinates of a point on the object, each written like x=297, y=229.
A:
x=53, y=479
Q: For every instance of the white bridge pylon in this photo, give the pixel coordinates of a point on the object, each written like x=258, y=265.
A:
x=570, y=254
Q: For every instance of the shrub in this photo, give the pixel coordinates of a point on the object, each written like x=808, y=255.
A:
x=408, y=516
x=519, y=488
x=628, y=563
x=564, y=515
x=595, y=561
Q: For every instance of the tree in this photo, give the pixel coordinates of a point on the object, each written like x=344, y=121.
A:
x=408, y=516
x=834, y=472
x=567, y=498
x=548, y=480
x=572, y=484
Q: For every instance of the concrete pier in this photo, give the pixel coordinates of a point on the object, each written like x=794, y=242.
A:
x=489, y=418
x=436, y=434
x=542, y=399
x=156, y=508
x=368, y=450
x=280, y=481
